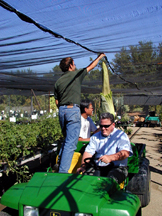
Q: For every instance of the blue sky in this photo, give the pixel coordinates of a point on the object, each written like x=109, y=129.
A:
x=102, y=26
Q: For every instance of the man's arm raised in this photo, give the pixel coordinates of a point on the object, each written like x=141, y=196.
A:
x=95, y=62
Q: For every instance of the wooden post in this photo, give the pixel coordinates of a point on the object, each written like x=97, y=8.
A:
x=49, y=102
x=35, y=98
x=31, y=104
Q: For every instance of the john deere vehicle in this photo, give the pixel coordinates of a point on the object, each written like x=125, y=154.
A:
x=56, y=194
x=152, y=119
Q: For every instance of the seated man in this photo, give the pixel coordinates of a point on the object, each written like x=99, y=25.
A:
x=87, y=125
x=111, y=145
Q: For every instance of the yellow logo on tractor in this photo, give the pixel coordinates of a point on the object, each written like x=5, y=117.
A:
x=55, y=214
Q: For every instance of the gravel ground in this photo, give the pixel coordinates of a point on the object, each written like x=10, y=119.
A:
x=152, y=137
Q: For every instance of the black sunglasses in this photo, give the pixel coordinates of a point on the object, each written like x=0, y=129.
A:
x=105, y=126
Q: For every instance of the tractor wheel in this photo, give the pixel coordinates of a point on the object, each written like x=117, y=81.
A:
x=139, y=184
x=145, y=197
x=139, y=213
x=9, y=212
x=4, y=214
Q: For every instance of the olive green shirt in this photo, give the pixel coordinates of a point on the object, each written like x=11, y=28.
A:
x=67, y=89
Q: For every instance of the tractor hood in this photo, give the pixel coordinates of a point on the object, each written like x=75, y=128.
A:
x=67, y=192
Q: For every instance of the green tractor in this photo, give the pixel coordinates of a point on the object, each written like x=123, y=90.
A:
x=59, y=194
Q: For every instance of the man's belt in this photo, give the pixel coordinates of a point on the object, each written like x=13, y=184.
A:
x=71, y=105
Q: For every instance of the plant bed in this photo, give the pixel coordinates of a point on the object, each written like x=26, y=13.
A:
x=27, y=148
x=26, y=166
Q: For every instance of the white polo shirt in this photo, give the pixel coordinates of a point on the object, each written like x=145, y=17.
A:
x=115, y=142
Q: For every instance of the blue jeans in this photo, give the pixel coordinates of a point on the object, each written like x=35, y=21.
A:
x=70, y=121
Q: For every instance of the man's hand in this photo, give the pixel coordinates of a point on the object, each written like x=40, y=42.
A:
x=105, y=158
x=95, y=62
x=101, y=55
x=121, y=155
x=80, y=170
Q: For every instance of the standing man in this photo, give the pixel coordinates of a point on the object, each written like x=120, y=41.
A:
x=87, y=124
x=67, y=93
x=111, y=145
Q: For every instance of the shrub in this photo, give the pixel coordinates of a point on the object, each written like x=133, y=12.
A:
x=18, y=140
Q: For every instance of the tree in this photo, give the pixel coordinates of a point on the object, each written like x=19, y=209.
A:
x=56, y=71
x=159, y=58
x=138, y=64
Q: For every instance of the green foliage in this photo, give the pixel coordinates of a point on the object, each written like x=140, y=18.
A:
x=53, y=104
x=9, y=101
x=22, y=172
x=128, y=131
x=125, y=118
x=49, y=132
x=56, y=71
x=136, y=108
x=25, y=72
x=19, y=140
x=125, y=108
x=93, y=75
x=160, y=117
x=158, y=109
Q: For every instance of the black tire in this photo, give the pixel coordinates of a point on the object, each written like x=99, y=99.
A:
x=139, y=184
x=139, y=213
x=145, y=198
x=9, y=212
x=2, y=213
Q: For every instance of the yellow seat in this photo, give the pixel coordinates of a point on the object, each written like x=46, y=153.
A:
x=121, y=185
x=75, y=163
